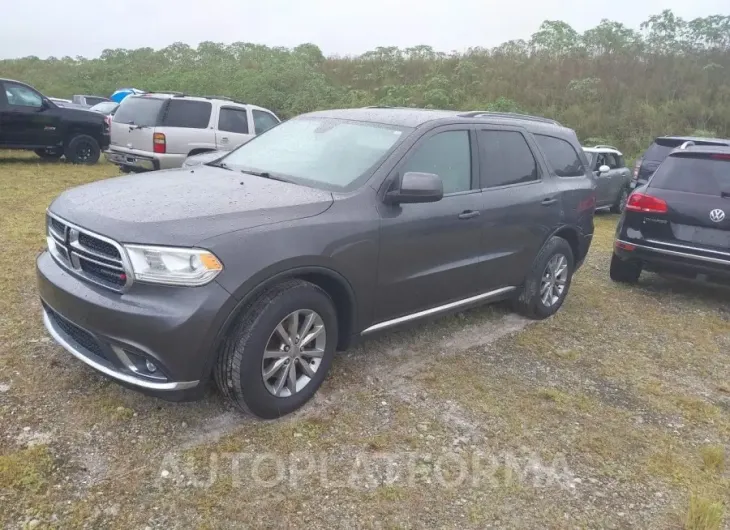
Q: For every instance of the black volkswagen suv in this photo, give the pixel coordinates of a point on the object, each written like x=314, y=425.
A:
x=256, y=267
x=679, y=222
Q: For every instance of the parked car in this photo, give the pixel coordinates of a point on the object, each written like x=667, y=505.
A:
x=31, y=121
x=679, y=222
x=108, y=108
x=660, y=148
x=88, y=101
x=613, y=178
x=331, y=226
x=159, y=131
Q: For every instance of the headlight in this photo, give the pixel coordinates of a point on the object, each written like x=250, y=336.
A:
x=173, y=266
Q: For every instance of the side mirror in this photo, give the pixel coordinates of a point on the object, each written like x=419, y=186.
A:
x=45, y=104
x=603, y=169
x=417, y=187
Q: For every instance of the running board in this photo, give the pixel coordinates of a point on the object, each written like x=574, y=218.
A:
x=439, y=309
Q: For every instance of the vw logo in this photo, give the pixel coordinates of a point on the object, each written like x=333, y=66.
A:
x=717, y=215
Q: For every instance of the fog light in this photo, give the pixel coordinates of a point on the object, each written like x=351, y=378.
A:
x=151, y=366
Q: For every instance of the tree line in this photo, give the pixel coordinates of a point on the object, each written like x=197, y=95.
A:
x=612, y=84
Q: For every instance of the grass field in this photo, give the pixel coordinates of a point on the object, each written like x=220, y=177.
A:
x=615, y=413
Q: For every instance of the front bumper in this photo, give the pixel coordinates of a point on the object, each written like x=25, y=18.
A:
x=176, y=329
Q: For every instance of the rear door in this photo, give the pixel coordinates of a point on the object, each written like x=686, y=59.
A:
x=233, y=127
x=521, y=204
x=134, y=123
x=696, y=188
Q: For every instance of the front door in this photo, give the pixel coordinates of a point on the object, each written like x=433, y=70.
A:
x=26, y=120
x=429, y=253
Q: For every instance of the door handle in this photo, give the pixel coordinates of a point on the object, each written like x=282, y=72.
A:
x=549, y=201
x=468, y=214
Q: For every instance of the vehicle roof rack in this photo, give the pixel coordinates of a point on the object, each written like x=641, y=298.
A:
x=606, y=147
x=513, y=115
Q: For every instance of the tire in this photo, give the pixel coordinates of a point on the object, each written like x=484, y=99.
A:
x=621, y=201
x=49, y=154
x=82, y=149
x=623, y=271
x=239, y=372
x=530, y=302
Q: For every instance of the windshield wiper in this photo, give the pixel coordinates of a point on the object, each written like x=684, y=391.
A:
x=265, y=174
x=221, y=165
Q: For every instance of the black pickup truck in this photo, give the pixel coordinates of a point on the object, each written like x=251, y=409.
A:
x=31, y=121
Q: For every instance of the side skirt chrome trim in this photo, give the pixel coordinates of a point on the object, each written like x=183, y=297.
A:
x=439, y=309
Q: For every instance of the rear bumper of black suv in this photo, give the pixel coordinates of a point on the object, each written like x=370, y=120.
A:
x=684, y=260
x=175, y=329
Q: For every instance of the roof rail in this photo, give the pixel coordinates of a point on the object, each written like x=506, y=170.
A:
x=513, y=115
x=687, y=144
x=606, y=147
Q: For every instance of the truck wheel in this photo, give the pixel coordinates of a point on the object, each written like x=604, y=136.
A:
x=280, y=351
x=49, y=154
x=547, y=284
x=623, y=198
x=624, y=271
x=82, y=149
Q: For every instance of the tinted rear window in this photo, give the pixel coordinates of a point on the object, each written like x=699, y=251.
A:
x=704, y=176
x=561, y=156
x=139, y=111
x=189, y=114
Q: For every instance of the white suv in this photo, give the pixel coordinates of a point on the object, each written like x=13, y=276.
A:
x=159, y=131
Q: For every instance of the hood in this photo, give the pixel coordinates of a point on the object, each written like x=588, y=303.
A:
x=203, y=158
x=79, y=113
x=182, y=207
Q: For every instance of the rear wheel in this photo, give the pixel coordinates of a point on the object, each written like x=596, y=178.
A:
x=49, y=154
x=548, y=282
x=279, y=353
x=623, y=271
x=623, y=198
x=82, y=149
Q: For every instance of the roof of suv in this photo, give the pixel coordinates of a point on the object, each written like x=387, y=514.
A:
x=180, y=95
x=413, y=117
x=603, y=149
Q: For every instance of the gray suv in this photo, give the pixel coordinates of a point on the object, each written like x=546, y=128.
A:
x=335, y=225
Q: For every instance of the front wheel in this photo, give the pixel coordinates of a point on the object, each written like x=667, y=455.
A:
x=82, y=149
x=279, y=354
x=547, y=284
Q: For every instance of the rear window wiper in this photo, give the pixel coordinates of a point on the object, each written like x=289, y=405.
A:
x=134, y=126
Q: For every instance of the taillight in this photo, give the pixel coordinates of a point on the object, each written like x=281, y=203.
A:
x=108, y=121
x=641, y=202
x=637, y=166
x=159, y=144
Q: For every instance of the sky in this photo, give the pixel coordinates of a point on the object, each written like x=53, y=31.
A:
x=339, y=27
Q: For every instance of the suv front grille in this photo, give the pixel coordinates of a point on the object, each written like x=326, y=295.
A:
x=89, y=255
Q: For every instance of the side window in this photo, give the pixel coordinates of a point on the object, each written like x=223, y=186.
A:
x=188, y=114
x=263, y=121
x=446, y=154
x=233, y=120
x=601, y=161
x=611, y=161
x=505, y=159
x=561, y=156
x=22, y=96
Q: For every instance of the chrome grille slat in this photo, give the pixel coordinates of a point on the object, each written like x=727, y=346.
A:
x=91, y=256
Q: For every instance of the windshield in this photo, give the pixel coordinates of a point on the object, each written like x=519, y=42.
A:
x=322, y=152
x=105, y=107
x=142, y=110
x=694, y=174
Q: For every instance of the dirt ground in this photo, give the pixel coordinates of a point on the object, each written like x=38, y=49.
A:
x=615, y=413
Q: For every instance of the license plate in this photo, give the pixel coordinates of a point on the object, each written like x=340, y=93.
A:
x=703, y=236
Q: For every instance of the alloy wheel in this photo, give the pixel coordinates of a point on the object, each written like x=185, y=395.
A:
x=554, y=280
x=294, y=353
